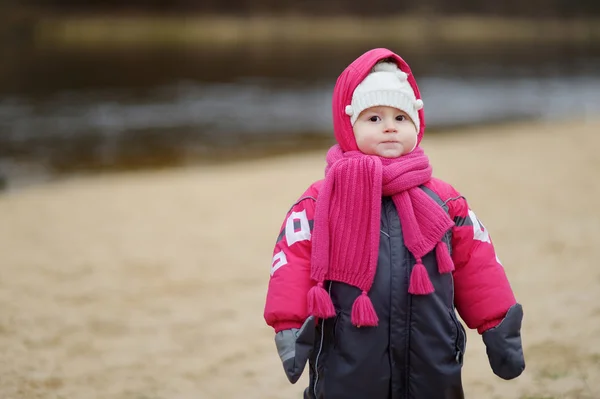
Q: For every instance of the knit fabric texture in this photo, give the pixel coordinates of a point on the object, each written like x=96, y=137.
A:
x=345, y=239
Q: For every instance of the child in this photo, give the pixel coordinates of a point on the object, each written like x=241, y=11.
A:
x=372, y=261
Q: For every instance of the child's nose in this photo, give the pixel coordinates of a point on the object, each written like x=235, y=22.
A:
x=390, y=127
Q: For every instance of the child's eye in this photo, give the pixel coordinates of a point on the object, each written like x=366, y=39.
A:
x=400, y=118
x=374, y=118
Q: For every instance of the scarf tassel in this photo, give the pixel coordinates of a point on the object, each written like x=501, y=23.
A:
x=420, y=284
x=363, y=312
x=319, y=302
x=444, y=260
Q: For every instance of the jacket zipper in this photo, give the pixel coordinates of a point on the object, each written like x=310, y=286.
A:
x=319, y=353
x=459, y=352
x=407, y=347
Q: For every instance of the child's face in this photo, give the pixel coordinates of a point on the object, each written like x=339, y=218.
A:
x=385, y=131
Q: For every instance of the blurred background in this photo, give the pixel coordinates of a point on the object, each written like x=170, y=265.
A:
x=112, y=85
x=135, y=253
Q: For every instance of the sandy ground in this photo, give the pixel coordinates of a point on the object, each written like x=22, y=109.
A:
x=152, y=285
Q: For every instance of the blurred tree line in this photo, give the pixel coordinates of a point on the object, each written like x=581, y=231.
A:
x=505, y=8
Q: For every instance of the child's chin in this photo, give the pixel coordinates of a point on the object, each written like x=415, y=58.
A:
x=390, y=153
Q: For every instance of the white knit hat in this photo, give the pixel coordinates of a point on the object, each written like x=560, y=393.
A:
x=386, y=85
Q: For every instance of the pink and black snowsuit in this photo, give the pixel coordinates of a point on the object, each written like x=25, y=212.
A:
x=416, y=351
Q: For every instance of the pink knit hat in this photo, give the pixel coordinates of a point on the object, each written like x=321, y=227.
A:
x=349, y=80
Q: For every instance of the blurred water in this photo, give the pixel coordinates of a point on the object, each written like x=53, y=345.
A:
x=247, y=108
x=74, y=122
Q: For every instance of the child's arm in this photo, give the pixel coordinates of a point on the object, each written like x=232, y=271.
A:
x=286, y=306
x=483, y=295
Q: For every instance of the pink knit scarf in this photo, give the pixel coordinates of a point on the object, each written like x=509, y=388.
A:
x=345, y=238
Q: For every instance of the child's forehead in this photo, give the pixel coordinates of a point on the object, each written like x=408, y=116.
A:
x=383, y=108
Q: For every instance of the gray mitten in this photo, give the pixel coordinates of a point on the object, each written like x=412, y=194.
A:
x=295, y=347
x=503, y=345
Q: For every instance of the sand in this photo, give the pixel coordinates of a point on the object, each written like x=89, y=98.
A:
x=152, y=285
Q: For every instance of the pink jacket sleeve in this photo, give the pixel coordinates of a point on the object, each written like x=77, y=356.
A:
x=483, y=293
x=286, y=304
